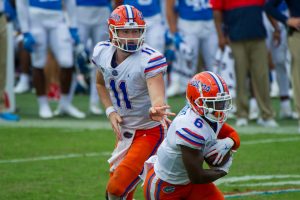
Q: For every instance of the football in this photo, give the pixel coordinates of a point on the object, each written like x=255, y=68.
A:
x=209, y=160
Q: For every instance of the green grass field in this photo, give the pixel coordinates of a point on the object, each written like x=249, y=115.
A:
x=66, y=158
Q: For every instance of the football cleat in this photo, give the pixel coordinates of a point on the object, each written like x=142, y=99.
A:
x=95, y=109
x=6, y=116
x=22, y=85
x=241, y=122
x=45, y=111
x=253, y=109
x=174, y=89
x=268, y=123
x=70, y=110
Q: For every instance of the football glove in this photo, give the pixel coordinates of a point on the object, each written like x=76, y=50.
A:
x=225, y=167
x=28, y=42
x=221, y=148
x=75, y=36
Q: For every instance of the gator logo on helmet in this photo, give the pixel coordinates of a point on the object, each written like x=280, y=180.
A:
x=116, y=17
x=140, y=14
x=205, y=87
x=195, y=83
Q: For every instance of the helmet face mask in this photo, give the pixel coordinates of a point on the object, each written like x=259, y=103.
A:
x=127, y=28
x=129, y=39
x=208, y=96
x=215, y=109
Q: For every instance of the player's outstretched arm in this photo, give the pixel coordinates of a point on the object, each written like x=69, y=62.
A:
x=158, y=110
x=111, y=113
x=193, y=162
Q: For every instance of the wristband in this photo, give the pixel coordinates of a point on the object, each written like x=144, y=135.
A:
x=109, y=110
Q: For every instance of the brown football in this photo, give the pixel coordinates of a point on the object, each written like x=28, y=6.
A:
x=209, y=160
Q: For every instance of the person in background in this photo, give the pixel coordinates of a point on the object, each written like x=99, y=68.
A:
x=293, y=22
x=242, y=22
x=43, y=24
x=192, y=30
x=7, y=116
x=91, y=19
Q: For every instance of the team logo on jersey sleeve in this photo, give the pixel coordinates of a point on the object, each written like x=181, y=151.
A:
x=168, y=189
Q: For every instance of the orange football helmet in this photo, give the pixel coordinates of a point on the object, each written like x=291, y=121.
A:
x=126, y=17
x=208, y=95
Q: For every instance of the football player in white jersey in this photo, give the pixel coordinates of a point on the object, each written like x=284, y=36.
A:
x=197, y=132
x=191, y=23
x=131, y=87
x=43, y=25
x=91, y=18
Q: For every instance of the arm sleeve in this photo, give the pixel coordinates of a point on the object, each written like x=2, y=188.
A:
x=157, y=64
x=189, y=138
x=271, y=8
x=228, y=131
x=23, y=15
x=71, y=11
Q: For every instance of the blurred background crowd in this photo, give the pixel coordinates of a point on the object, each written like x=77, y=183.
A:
x=45, y=46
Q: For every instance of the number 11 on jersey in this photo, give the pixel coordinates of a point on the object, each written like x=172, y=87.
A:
x=121, y=89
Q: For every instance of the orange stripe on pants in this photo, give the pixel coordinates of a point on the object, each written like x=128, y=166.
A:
x=126, y=176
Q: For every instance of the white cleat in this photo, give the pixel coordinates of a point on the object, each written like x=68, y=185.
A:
x=285, y=110
x=274, y=89
x=45, y=112
x=241, y=122
x=71, y=111
x=22, y=87
x=253, y=110
x=295, y=115
x=268, y=123
x=174, y=89
x=286, y=114
x=95, y=109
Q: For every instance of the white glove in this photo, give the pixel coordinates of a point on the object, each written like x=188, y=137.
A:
x=225, y=167
x=221, y=148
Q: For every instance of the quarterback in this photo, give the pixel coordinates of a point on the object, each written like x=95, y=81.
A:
x=131, y=87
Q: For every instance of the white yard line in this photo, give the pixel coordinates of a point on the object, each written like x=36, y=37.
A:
x=57, y=157
x=264, y=141
x=254, y=193
x=279, y=183
x=254, y=177
x=59, y=123
x=104, y=124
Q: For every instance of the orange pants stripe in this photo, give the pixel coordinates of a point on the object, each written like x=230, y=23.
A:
x=157, y=189
x=126, y=176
